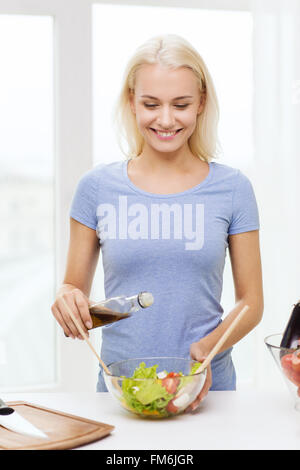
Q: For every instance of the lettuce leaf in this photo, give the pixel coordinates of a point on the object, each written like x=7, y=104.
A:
x=195, y=367
x=149, y=396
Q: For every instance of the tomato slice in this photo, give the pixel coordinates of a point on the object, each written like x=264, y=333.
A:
x=295, y=379
x=171, y=408
x=170, y=384
x=296, y=361
x=286, y=361
x=173, y=374
x=291, y=368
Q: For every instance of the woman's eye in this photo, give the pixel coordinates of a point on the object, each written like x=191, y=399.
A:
x=179, y=106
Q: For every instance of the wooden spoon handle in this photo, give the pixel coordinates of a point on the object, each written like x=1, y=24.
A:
x=85, y=336
x=222, y=340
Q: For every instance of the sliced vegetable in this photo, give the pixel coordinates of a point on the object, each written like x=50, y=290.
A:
x=286, y=362
x=296, y=361
x=171, y=382
x=291, y=368
x=171, y=408
x=158, y=395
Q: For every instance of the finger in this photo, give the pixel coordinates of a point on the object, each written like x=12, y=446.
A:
x=66, y=317
x=83, y=308
x=79, y=304
x=193, y=406
x=81, y=328
x=61, y=322
x=204, y=391
x=200, y=397
x=207, y=383
x=197, y=401
x=69, y=300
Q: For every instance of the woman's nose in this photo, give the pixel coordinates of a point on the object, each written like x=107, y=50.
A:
x=166, y=118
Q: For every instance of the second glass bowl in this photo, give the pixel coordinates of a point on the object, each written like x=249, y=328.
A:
x=288, y=362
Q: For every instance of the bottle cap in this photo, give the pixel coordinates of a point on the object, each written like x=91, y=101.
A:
x=145, y=299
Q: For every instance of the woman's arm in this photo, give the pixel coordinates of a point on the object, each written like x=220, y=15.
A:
x=247, y=276
x=83, y=254
x=82, y=257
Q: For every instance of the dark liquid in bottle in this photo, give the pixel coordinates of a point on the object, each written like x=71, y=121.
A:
x=291, y=335
x=104, y=316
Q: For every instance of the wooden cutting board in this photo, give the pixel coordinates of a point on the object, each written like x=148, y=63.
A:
x=65, y=431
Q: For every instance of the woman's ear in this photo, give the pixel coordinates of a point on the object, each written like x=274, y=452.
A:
x=202, y=103
x=131, y=101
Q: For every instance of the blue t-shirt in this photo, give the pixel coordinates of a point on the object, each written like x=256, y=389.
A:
x=173, y=245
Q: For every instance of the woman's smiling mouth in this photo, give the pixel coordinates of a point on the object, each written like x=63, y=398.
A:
x=165, y=135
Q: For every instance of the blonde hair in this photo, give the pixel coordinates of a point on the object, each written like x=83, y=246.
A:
x=171, y=51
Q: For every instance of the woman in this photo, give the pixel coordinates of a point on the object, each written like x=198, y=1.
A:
x=164, y=219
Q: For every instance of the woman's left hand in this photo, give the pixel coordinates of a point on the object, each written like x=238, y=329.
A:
x=197, y=353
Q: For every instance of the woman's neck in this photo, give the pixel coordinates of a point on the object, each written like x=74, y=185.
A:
x=167, y=162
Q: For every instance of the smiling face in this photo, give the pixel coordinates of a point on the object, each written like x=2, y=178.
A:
x=166, y=104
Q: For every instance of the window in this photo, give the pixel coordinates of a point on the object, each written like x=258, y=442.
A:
x=27, y=332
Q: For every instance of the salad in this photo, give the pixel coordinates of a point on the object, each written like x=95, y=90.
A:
x=159, y=395
x=290, y=364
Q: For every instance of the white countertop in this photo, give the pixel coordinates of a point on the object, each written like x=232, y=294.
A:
x=245, y=419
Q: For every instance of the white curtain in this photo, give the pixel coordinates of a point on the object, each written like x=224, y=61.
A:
x=277, y=166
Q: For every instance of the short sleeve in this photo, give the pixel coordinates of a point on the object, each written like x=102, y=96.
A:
x=84, y=203
x=245, y=216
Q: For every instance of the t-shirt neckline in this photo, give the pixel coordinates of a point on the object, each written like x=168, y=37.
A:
x=164, y=196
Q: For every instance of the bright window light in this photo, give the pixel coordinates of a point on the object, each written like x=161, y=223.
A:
x=223, y=39
x=27, y=332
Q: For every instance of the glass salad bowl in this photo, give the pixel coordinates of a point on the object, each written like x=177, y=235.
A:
x=155, y=387
x=288, y=362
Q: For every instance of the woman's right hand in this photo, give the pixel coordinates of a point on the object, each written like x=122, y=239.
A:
x=79, y=305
